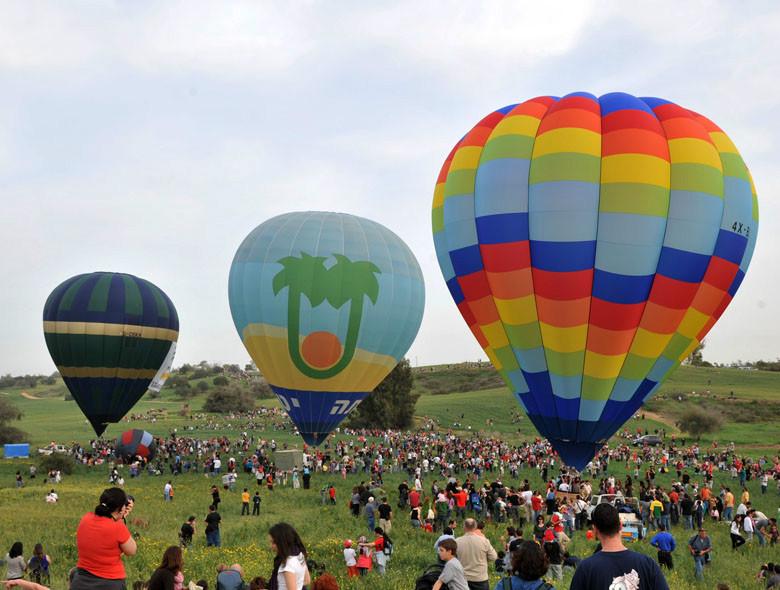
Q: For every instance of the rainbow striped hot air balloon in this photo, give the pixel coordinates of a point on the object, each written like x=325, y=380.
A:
x=590, y=244
x=326, y=305
x=112, y=337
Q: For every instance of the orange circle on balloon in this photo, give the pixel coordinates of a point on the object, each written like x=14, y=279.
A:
x=321, y=349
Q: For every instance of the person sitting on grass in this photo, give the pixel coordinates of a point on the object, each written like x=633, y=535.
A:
x=230, y=578
x=169, y=575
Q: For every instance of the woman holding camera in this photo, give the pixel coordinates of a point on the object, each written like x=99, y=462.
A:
x=102, y=538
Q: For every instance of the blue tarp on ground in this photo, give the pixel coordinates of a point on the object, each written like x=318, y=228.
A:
x=19, y=450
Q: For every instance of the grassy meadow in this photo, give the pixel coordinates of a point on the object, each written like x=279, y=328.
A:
x=750, y=421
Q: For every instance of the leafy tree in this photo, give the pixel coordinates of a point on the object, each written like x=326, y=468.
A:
x=261, y=389
x=697, y=422
x=8, y=433
x=200, y=373
x=175, y=381
x=229, y=399
x=695, y=359
x=220, y=380
x=184, y=390
x=203, y=386
x=391, y=404
x=57, y=461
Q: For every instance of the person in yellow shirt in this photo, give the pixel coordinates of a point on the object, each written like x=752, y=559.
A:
x=728, y=505
x=656, y=511
x=245, y=502
x=745, y=495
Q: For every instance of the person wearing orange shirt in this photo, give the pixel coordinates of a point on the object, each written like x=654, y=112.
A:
x=245, y=502
x=102, y=539
x=460, y=497
x=705, y=494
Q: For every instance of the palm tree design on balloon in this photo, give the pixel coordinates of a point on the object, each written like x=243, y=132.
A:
x=320, y=355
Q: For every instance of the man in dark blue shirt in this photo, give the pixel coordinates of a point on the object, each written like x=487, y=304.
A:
x=665, y=543
x=615, y=564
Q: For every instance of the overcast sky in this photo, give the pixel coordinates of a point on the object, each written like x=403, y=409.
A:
x=151, y=137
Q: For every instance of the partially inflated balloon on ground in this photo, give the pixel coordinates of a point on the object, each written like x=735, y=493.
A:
x=326, y=304
x=590, y=244
x=135, y=443
x=112, y=337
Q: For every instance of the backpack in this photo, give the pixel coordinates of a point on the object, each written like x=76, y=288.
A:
x=38, y=568
x=388, y=548
x=429, y=577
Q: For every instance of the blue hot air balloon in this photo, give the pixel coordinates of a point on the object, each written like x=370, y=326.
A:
x=326, y=305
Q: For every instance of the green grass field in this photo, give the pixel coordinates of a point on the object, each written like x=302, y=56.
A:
x=25, y=516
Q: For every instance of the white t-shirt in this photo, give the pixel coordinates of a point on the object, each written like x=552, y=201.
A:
x=735, y=528
x=295, y=564
x=350, y=557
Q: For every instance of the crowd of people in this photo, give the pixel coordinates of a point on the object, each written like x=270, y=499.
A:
x=450, y=482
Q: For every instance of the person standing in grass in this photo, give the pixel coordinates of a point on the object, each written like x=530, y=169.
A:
x=15, y=563
x=370, y=512
x=528, y=567
x=665, y=543
x=476, y=553
x=215, y=499
x=452, y=574
x=290, y=570
x=212, y=527
x=385, y=516
x=102, y=539
x=615, y=564
x=256, y=504
x=350, y=558
x=700, y=547
x=245, y=502
x=187, y=531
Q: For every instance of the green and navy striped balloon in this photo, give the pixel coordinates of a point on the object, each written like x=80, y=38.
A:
x=112, y=337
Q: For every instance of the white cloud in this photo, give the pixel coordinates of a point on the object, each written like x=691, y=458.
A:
x=225, y=38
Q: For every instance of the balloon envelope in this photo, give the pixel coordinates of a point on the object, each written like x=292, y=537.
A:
x=590, y=244
x=109, y=335
x=135, y=443
x=326, y=304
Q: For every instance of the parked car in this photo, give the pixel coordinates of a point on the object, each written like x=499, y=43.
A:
x=648, y=439
x=53, y=449
x=629, y=509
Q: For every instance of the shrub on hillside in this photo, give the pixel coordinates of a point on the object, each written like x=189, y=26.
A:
x=8, y=433
x=697, y=422
x=229, y=399
x=220, y=381
x=201, y=373
x=203, y=386
x=57, y=461
x=261, y=389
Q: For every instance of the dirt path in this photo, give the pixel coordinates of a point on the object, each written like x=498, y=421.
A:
x=26, y=395
x=662, y=419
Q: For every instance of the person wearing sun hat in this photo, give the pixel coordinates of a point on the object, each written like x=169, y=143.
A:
x=350, y=558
